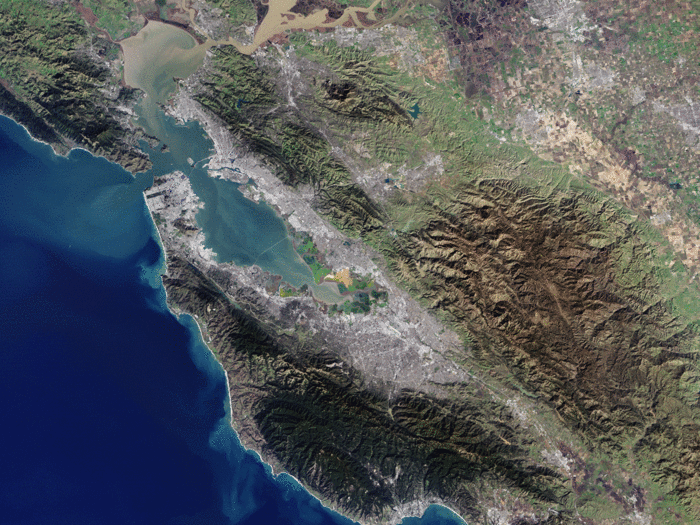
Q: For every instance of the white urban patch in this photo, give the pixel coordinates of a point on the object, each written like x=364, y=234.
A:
x=687, y=117
x=565, y=16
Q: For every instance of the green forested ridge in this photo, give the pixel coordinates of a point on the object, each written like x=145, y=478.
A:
x=238, y=11
x=556, y=285
x=540, y=285
x=114, y=16
x=557, y=289
x=52, y=79
x=242, y=95
x=356, y=446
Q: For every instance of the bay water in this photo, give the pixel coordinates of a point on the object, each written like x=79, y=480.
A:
x=112, y=409
x=237, y=229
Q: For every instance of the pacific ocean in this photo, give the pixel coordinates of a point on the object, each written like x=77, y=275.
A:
x=112, y=409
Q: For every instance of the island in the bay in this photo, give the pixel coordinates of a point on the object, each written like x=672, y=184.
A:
x=445, y=250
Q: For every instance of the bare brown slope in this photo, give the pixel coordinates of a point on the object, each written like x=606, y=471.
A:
x=538, y=284
x=311, y=413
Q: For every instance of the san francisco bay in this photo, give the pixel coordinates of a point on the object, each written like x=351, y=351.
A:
x=114, y=410
x=118, y=411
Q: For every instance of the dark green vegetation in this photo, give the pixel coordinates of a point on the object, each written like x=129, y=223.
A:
x=560, y=291
x=294, y=148
x=317, y=268
x=240, y=12
x=289, y=291
x=364, y=293
x=51, y=80
x=557, y=290
x=359, y=283
x=315, y=260
x=357, y=447
x=22, y=113
x=360, y=304
x=118, y=18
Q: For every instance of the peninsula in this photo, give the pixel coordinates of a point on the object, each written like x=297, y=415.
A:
x=484, y=294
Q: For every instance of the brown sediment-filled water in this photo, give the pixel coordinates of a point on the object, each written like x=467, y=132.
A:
x=152, y=58
x=279, y=19
x=157, y=54
x=160, y=52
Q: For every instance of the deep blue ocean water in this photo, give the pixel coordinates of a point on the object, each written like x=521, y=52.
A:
x=111, y=408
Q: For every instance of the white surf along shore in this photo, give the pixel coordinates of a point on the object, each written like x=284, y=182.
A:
x=414, y=339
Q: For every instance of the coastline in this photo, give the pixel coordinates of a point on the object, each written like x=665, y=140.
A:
x=415, y=509
x=220, y=137
x=52, y=146
x=446, y=369
x=275, y=468
x=69, y=148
